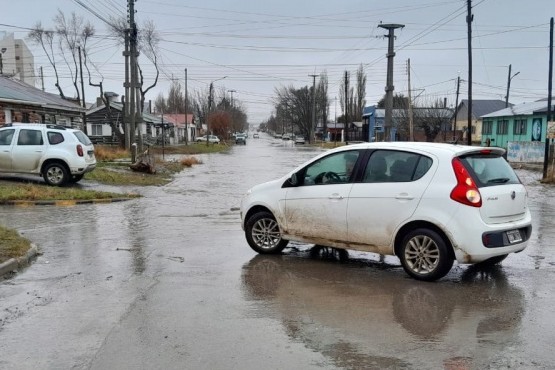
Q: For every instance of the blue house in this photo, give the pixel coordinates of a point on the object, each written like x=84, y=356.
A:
x=523, y=123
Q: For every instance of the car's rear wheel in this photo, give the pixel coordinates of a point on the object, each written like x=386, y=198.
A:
x=263, y=233
x=424, y=255
x=55, y=174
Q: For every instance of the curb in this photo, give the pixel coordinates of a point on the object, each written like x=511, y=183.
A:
x=13, y=264
x=63, y=203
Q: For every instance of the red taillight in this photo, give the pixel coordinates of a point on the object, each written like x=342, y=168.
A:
x=466, y=191
x=79, y=150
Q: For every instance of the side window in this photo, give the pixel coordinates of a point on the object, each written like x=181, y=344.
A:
x=395, y=166
x=6, y=137
x=54, y=137
x=333, y=169
x=29, y=137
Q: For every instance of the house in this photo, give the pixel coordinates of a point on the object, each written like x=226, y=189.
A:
x=521, y=129
x=100, y=131
x=186, y=130
x=20, y=102
x=479, y=109
x=374, y=120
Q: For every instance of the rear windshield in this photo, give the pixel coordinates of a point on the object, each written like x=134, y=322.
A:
x=490, y=169
x=84, y=139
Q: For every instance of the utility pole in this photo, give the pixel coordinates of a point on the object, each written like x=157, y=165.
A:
x=411, y=122
x=133, y=65
x=186, y=119
x=83, y=115
x=549, y=92
x=125, y=98
x=41, y=78
x=346, y=113
x=389, y=84
x=469, y=19
x=231, y=93
x=509, y=78
x=456, y=109
x=313, y=124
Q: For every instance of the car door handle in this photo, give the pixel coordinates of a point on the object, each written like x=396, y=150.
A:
x=335, y=196
x=404, y=196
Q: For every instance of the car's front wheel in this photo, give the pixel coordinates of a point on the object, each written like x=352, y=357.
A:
x=424, y=255
x=263, y=233
x=55, y=174
x=76, y=178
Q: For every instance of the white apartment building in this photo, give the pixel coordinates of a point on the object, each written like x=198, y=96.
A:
x=16, y=59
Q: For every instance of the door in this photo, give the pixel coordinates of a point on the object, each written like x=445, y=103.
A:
x=389, y=193
x=317, y=208
x=28, y=151
x=6, y=140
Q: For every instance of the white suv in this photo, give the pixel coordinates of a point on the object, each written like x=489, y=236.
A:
x=59, y=154
x=427, y=203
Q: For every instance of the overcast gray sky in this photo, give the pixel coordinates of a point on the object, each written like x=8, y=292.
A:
x=261, y=45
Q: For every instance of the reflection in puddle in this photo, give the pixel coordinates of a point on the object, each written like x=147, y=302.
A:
x=371, y=316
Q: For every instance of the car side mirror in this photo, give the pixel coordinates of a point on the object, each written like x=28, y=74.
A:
x=294, y=180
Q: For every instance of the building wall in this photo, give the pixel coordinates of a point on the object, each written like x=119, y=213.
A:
x=17, y=59
x=529, y=135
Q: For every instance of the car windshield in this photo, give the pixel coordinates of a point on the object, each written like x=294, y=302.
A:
x=490, y=170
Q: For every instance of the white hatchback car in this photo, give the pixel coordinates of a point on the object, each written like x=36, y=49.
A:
x=60, y=154
x=429, y=204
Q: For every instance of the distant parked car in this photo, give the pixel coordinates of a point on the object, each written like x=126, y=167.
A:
x=285, y=137
x=57, y=153
x=299, y=139
x=255, y=136
x=211, y=139
x=241, y=139
x=429, y=204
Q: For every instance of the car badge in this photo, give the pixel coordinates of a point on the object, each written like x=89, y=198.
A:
x=513, y=195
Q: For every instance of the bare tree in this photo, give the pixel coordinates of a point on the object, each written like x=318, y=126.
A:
x=360, y=95
x=39, y=36
x=73, y=34
x=322, y=100
x=148, y=44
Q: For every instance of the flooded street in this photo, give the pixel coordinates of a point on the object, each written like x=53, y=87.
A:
x=168, y=281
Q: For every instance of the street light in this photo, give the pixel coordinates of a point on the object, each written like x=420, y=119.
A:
x=509, y=85
x=210, y=108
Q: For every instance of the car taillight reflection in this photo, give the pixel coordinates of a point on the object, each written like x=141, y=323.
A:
x=79, y=150
x=466, y=191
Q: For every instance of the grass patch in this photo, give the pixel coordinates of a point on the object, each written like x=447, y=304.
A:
x=190, y=161
x=193, y=148
x=34, y=192
x=12, y=245
x=110, y=153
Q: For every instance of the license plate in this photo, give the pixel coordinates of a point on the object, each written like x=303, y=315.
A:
x=514, y=236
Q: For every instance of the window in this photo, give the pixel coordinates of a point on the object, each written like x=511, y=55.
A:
x=487, y=128
x=502, y=127
x=396, y=166
x=333, y=169
x=6, y=137
x=29, y=137
x=96, y=130
x=55, y=138
x=519, y=127
x=17, y=57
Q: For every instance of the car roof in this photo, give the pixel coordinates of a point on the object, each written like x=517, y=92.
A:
x=437, y=148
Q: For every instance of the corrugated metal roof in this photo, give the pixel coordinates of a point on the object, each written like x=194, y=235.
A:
x=520, y=109
x=147, y=117
x=483, y=107
x=17, y=92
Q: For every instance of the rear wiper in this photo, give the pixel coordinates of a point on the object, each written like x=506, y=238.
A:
x=500, y=180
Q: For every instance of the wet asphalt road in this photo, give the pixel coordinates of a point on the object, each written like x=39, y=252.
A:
x=168, y=282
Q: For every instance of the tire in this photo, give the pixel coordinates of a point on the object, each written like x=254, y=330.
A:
x=263, y=234
x=76, y=178
x=55, y=174
x=424, y=255
x=492, y=261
